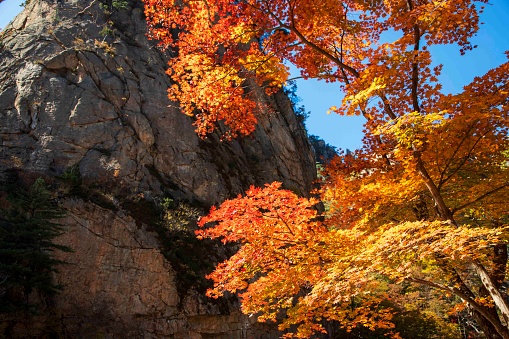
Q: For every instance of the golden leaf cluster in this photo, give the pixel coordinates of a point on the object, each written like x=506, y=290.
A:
x=422, y=203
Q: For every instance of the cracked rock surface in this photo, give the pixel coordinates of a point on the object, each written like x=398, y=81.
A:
x=83, y=89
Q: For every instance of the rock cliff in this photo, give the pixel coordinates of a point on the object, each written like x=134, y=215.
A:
x=83, y=99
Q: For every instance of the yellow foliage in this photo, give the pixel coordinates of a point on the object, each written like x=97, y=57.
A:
x=423, y=202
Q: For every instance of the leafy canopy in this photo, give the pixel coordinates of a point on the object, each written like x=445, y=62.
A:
x=222, y=47
x=423, y=203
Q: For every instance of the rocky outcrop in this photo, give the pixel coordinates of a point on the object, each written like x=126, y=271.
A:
x=118, y=282
x=82, y=87
x=83, y=97
x=324, y=152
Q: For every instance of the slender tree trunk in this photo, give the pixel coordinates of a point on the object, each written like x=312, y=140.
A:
x=500, y=257
x=486, y=317
x=494, y=292
x=488, y=329
x=443, y=210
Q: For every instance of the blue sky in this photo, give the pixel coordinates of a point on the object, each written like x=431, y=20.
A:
x=8, y=9
x=346, y=132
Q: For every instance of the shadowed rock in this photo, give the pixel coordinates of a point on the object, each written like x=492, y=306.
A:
x=83, y=90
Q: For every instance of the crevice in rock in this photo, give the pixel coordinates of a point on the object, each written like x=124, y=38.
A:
x=124, y=151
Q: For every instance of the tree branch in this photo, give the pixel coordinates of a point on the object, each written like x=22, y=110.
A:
x=454, y=210
x=442, y=181
x=415, y=65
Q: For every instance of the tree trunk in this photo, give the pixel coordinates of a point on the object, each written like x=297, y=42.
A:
x=486, y=317
x=500, y=258
x=491, y=287
x=443, y=210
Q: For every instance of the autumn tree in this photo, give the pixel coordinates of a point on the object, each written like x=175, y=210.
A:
x=423, y=203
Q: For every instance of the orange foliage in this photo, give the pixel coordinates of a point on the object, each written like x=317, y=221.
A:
x=423, y=202
x=286, y=251
x=288, y=260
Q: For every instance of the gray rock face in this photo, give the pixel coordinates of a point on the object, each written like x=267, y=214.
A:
x=83, y=90
x=82, y=87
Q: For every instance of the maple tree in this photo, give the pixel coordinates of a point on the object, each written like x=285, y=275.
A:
x=424, y=202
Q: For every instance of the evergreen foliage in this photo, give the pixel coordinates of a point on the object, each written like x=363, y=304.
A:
x=27, y=233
